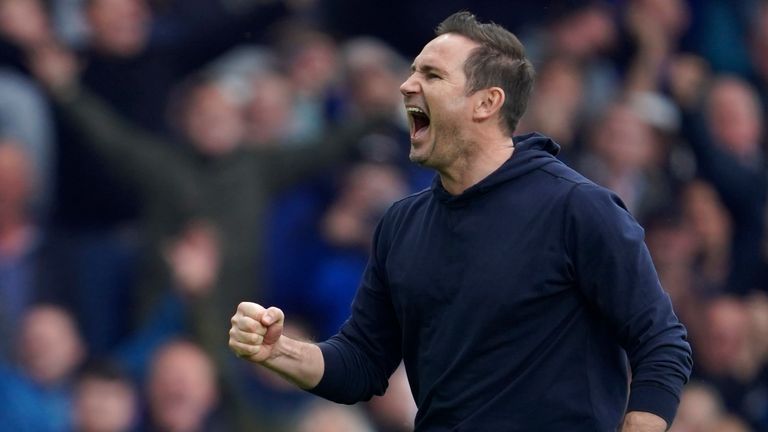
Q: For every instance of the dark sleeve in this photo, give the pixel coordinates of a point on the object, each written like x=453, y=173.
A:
x=360, y=359
x=287, y=165
x=614, y=271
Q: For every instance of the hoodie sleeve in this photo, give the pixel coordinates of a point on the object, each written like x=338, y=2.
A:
x=614, y=270
x=360, y=359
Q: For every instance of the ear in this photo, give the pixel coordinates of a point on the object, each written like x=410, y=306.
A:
x=488, y=103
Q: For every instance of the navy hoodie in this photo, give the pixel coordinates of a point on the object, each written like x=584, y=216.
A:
x=521, y=304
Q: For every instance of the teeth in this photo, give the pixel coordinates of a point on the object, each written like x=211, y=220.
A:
x=415, y=110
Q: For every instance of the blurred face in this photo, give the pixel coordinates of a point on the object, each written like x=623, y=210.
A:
x=585, y=33
x=623, y=141
x=314, y=66
x=213, y=122
x=374, y=89
x=24, y=22
x=706, y=214
x=119, y=27
x=698, y=410
x=15, y=179
x=672, y=16
x=50, y=348
x=726, y=337
x=375, y=187
x=270, y=110
x=182, y=388
x=439, y=109
x=734, y=117
x=555, y=102
x=671, y=246
x=103, y=405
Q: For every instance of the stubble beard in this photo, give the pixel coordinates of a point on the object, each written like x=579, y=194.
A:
x=444, y=150
x=422, y=159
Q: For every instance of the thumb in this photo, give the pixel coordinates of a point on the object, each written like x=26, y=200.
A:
x=273, y=319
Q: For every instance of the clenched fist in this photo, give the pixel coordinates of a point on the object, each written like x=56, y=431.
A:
x=255, y=331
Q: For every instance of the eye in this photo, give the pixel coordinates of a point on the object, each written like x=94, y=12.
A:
x=431, y=76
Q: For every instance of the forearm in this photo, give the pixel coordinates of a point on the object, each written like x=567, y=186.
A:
x=298, y=362
x=638, y=421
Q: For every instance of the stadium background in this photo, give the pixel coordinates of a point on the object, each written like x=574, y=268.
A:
x=121, y=250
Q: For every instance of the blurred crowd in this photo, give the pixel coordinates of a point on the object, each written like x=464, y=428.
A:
x=162, y=160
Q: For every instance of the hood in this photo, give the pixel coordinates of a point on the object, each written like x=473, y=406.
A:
x=532, y=151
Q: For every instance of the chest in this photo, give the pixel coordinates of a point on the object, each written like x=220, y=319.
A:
x=494, y=255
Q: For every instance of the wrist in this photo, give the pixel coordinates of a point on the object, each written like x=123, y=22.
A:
x=297, y=361
x=638, y=421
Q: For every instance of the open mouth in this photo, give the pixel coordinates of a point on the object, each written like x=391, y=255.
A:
x=419, y=121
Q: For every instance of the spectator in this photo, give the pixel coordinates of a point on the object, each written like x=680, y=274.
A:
x=373, y=72
x=271, y=118
x=347, y=228
x=622, y=153
x=39, y=392
x=726, y=360
x=711, y=226
x=24, y=115
x=181, y=390
x=700, y=409
x=672, y=244
x=557, y=104
x=215, y=178
x=30, y=269
x=105, y=400
x=583, y=33
x=726, y=140
x=310, y=63
x=24, y=26
x=135, y=73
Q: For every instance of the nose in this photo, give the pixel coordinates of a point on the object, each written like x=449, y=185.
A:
x=409, y=86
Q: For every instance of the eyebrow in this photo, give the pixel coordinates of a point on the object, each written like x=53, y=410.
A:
x=427, y=68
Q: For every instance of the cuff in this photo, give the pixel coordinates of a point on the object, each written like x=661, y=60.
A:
x=654, y=400
x=333, y=374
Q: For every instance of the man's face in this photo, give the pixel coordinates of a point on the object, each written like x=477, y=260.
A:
x=439, y=109
x=104, y=405
x=182, y=388
x=119, y=27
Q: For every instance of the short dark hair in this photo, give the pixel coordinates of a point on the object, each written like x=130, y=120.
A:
x=499, y=61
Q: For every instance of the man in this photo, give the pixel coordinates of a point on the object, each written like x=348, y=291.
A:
x=514, y=289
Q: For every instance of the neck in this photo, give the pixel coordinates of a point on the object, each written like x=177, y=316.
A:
x=479, y=160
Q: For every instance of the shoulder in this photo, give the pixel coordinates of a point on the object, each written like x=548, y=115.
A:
x=559, y=171
x=580, y=192
x=408, y=205
x=401, y=213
